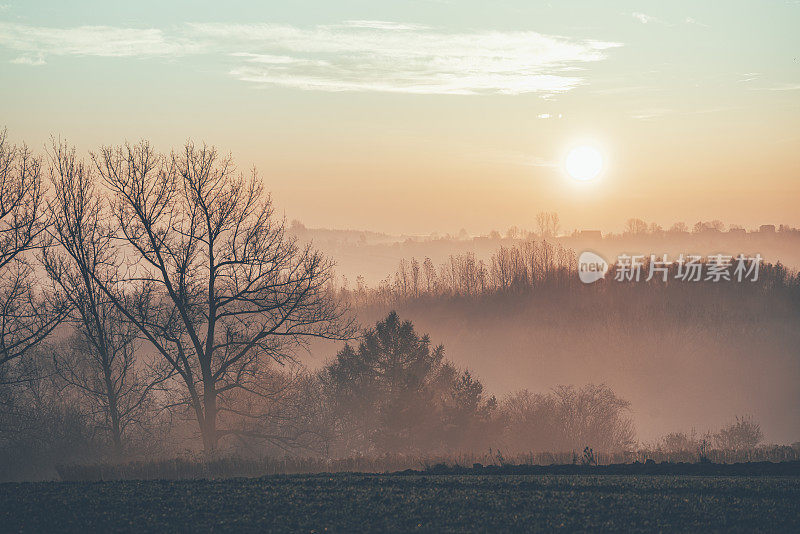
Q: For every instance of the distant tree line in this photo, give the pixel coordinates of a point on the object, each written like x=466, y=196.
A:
x=526, y=265
x=535, y=266
x=549, y=227
x=741, y=435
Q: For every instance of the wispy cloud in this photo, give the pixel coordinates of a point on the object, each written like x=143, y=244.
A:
x=765, y=84
x=390, y=57
x=644, y=18
x=536, y=161
x=381, y=25
x=103, y=41
x=749, y=77
x=695, y=22
x=782, y=87
x=355, y=55
x=29, y=60
x=651, y=113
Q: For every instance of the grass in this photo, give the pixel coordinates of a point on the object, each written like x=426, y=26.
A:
x=427, y=503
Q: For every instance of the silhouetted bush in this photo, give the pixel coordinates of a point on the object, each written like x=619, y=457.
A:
x=567, y=418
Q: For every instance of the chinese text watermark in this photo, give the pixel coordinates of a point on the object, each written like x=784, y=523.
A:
x=686, y=268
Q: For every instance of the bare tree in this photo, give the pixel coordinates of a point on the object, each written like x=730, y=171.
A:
x=543, y=222
x=679, y=227
x=568, y=418
x=99, y=359
x=743, y=435
x=555, y=224
x=230, y=289
x=676, y=442
x=26, y=315
x=548, y=223
x=635, y=226
x=430, y=275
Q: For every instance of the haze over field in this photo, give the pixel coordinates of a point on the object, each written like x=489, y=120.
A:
x=686, y=357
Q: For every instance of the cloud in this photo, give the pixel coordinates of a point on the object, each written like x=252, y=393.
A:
x=404, y=58
x=356, y=55
x=649, y=19
x=382, y=25
x=756, y=76
x=536, y=161
x=28, y=60
x=649, y=114
x=749, y=77
x=102, y=41
x=782, y=87
x=690, y=20
x=644, y=19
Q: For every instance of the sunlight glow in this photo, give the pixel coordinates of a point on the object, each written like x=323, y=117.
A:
x=584, y=163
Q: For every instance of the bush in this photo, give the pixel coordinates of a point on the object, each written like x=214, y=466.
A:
x=743, y=435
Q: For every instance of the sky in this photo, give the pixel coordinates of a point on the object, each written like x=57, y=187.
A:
x=421, y=116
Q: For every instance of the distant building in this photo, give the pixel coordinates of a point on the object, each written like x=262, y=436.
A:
x=737, y=231
x=590, y=234
x=767, y=229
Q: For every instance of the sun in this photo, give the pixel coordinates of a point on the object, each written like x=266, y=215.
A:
x=584, y=163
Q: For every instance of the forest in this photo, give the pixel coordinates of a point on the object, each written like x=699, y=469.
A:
x=154, y=305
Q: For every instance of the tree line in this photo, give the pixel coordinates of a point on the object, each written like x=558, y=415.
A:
x=530, y=267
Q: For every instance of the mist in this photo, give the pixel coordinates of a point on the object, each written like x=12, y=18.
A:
x=687, y=356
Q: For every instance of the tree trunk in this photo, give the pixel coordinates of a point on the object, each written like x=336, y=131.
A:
x=113, y=409
x=116, y=433
x=209, y=429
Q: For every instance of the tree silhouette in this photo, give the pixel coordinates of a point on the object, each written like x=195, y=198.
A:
x=99, y=360
x=384, y=390
x=228, y=289
x=396, y=393
x=27, y=315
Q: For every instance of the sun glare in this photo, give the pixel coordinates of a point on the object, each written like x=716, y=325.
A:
x=584, y=163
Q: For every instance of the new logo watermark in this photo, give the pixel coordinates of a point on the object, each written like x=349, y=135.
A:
x=591, y=267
